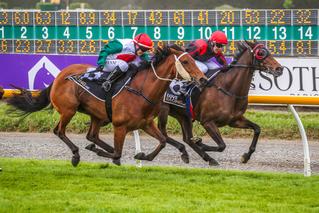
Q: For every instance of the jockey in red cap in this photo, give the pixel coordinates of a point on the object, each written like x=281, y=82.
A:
x=203, y=51
x=117, y=54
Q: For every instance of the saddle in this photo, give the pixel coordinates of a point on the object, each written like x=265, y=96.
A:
x=92, y=80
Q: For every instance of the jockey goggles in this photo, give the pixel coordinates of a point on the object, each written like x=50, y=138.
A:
x=144, y=49
x=219, y=45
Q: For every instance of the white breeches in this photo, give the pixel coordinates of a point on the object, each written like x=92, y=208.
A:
x=111, y=64
x=123, y=65
x=207, y=65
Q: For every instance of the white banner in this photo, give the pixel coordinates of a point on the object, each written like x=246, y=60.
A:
x=300, y=78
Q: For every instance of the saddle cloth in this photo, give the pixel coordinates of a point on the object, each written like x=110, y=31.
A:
x=189, y=99
x=91, y=82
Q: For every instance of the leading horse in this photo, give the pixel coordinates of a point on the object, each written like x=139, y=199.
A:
x=223, y=102
x=133, y=108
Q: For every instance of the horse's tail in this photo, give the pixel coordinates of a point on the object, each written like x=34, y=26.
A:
x=24, y=103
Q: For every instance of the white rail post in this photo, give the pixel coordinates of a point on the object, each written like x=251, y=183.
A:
x=307, y=168
x=137, y=146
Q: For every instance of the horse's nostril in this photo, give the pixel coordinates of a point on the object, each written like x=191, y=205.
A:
x=279, y=70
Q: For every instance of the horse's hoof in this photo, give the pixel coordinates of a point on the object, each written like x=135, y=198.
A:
x=117, y=162
x=196, y=140
x=213, y=162
x=75, y=160
x=140, y=156
x=185, y=158
x=244, y=158
x=90, y=146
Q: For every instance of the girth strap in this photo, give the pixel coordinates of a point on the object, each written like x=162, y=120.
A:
x=229, y=93
x=134, y=91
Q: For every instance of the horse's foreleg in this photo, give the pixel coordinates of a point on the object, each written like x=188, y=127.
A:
x=59, y=130
x=187, y=125
x=162, y=121
x=243, y=123
x=93, y=136
x=214, y=133
x=153, y=131
x=119, y=138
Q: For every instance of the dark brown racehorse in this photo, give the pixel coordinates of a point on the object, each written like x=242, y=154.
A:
x=223, y=102
x=131, y=110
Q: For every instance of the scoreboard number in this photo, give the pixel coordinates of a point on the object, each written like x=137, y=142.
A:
x=305, y=33
x=4, y=19
x=286, y=32
x=109, y=18
x=155, y=18
x=254, y=33
x=252, y=16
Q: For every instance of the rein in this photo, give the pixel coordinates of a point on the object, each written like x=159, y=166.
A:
x=255, y=67
x=168, y=79
x=140, y=92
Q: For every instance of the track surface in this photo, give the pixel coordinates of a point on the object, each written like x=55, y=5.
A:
x=271, y=155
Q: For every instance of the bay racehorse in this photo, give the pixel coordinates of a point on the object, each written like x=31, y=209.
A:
x=223, y=102
x=131, y=110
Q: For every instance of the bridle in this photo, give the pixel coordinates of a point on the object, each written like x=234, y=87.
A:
x=180, y=71
x=259, y=54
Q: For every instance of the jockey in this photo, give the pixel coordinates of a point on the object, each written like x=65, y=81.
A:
x=204, y=51
x=117, y=54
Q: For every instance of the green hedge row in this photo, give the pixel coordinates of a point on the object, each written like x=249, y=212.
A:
x=278, y=124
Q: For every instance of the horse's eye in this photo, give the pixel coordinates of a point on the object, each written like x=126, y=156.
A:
x=184, y=62
x=262, y=52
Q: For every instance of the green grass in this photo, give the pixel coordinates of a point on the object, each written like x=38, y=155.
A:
x=277, y=125
x=55, y=186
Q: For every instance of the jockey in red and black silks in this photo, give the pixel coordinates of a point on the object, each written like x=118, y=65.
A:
x=117, y=54
x=208, y=54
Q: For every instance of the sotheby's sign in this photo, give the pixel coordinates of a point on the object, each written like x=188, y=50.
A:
x=300, y=78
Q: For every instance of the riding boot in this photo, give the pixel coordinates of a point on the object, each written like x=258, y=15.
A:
x=111, y=78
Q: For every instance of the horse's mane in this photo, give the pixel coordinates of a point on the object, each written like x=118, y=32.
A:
x=241, y=47
x=160, y=54
x=240, y=50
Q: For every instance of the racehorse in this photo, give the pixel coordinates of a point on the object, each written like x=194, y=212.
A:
x=223, y=102
x=134, y=108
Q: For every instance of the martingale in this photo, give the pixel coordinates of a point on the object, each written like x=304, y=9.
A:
x=284, y=32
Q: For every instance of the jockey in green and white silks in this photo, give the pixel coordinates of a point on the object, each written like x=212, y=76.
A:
x=117, y=54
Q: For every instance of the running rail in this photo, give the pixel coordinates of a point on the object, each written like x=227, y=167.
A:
x=289, y=100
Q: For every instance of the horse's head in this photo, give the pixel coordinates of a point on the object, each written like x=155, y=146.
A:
x=185, y=67
x=261, y=58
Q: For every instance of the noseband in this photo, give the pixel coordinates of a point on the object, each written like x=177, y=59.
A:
x=259, y=54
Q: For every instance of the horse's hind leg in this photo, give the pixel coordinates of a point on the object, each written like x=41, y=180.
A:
x=59, y=130
x=162, y=121
x=214, y=133
x=119, y=137
x=243, y=123
x=186, y=124
x=153, y=131
x=93, y=136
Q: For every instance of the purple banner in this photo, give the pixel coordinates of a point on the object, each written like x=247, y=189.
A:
x=36, y=71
